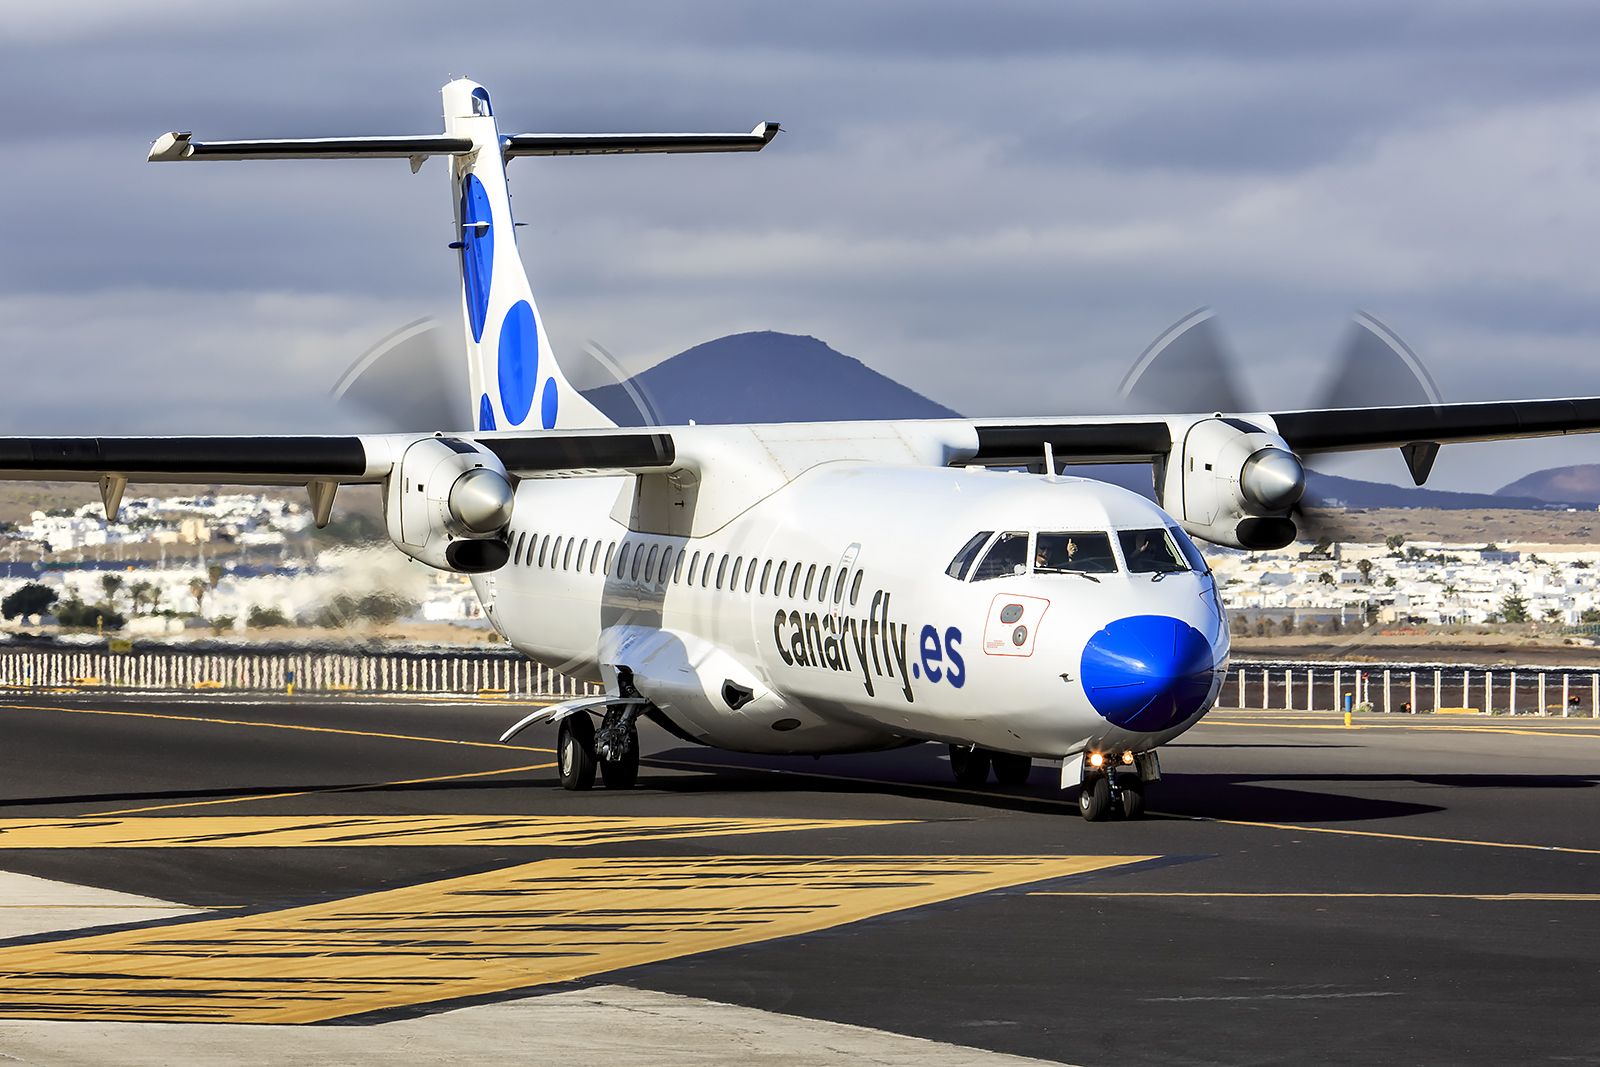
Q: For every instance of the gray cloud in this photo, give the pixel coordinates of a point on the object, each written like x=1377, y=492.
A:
x=999, y=204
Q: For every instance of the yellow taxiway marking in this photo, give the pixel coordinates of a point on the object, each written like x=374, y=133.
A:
x=332, y=789
x=1593, y=898
x=277, y=726
x=555, y=920
x=347, y=831
x=1553, y=730
x=1420, y=838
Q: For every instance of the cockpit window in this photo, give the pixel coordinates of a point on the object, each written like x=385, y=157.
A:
x=1151, y=551
x=1069, y=552
x=1008, y=555
x=1190, y=550
x=969, y=552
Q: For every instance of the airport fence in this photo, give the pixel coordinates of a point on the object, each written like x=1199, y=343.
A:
x=1271, y=685
x=487, y=672
x=1412, y=688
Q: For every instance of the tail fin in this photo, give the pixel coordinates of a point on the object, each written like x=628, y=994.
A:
x=515, y=379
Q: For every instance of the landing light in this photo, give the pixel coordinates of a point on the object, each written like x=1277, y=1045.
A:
x=1096, y=760
x=1127, y=758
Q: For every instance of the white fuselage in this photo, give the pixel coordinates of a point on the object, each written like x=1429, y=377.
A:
x=746, y=637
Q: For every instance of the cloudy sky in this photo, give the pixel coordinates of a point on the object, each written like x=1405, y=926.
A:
x=1000, y=204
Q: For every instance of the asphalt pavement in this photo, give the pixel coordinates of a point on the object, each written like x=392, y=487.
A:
x=1411, y=890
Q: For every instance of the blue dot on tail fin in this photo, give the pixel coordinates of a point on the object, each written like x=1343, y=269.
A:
x=485, y=413
x=477, y=252
x=519, y=362
x=548, y=404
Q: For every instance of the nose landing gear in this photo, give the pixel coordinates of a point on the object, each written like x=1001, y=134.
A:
x=1102, y=789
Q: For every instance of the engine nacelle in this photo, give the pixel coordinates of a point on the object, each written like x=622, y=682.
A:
x=447, y=503
x=1232, y=483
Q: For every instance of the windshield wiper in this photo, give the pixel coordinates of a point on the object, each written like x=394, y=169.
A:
x=1066, y=570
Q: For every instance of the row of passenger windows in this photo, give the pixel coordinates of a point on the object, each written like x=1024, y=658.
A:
x=657, y=564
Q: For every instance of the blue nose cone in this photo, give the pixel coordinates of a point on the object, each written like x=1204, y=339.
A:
x=1147, y=672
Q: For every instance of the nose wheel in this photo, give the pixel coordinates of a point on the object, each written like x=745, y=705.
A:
x=1104, y=791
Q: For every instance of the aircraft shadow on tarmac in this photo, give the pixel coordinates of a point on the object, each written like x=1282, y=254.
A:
x=1248, y=796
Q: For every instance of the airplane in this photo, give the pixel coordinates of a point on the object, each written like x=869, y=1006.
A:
x=802, y=588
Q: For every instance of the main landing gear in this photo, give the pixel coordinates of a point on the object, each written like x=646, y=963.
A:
x=971, y=766
x=613, y=749
x=1105, y=789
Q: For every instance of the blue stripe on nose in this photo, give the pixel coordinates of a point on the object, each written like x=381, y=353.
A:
x=1147, y=672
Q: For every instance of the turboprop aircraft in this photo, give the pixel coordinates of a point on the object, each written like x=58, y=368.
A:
x=803, y=588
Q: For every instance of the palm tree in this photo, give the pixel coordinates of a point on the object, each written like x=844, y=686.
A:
x=111, y=583
x=197, y=589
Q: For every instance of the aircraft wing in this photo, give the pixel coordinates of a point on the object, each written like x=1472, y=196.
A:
x=1353, y=429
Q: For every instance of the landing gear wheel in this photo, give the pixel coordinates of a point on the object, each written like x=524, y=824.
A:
x=1094, y=798
x=970, y=766
x=1010, y=769
x=575, y=752
x=1130, y=792
x=621, y=773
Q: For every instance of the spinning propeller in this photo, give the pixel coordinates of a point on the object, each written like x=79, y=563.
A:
x=1191, y=367
x=416, y=379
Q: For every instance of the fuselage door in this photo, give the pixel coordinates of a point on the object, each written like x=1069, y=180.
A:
x=842, y=582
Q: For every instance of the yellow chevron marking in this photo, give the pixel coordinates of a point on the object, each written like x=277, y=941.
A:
x=554, y=920
x=346, y=831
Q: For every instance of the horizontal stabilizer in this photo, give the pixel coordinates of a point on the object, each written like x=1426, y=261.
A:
x=176, y=146
x=600, y=144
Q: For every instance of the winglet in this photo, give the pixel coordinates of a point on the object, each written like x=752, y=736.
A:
x=171, y=146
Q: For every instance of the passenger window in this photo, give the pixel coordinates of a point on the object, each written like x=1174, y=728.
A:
x=583, y=550
x=766, y=571
x=811, y=576
x=544, y=547
x=1151, y=551
x=638, y=562
x=611, y=550
x=566, y=557
x=750, y=578
x=722, y=569
x=522, y=539
x=1005, y=557
x=622, y=561
x=705, y=572
x=666, y=565
x=969, y=552
x=733, y=576
x=677, y=568
x=694, y=565
x=794, y=580
x=594, y=557
x=777, y=583
x=838, y=585
x=555, y=554
x=855, y=588
x=1073, y=552
x=822, y=586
